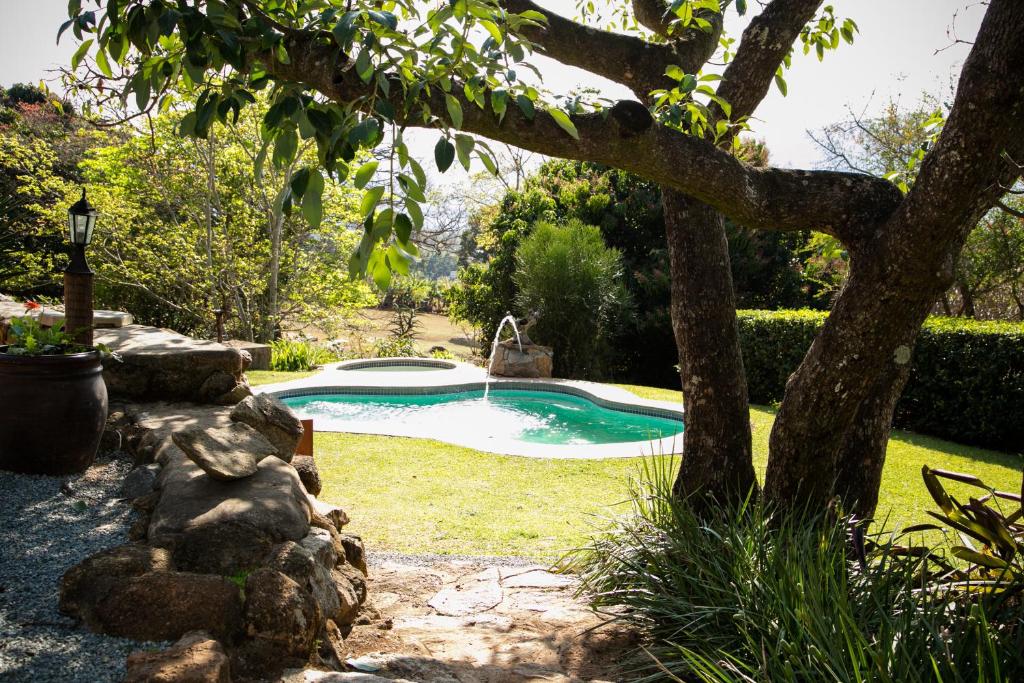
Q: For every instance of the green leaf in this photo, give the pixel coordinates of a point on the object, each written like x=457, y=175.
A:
x=493, y=29
x=464, y=146
x=365, y=173
x=674, y=72
x=454, y=110
x=80, y=53
x=444, y=154
x=103, y=64
x=780, y=83
x=564, y=122
x=370, y=199
x=312, y=199
x=403, y=227
x=397, y=260
x=285, y=147
x=416, y=213
x=381, y=273
x=526, y=106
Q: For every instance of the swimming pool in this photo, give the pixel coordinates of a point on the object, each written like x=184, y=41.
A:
x=506, y=418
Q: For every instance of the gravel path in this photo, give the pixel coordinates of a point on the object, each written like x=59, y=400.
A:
x=48, y=524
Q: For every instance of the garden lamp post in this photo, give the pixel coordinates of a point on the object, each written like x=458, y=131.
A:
x=78, y=276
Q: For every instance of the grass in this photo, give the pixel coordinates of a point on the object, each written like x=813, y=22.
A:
x=420, y=496
x=258, y=377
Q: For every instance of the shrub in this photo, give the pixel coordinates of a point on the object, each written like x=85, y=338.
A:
x=297, y=355
x=394, y=347
x=966, y=380
x=573, y=283
x=746, y=596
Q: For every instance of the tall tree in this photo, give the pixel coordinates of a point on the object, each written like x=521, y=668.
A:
x=342, y=71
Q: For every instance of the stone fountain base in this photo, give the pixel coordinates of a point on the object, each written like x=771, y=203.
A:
x=533, y=361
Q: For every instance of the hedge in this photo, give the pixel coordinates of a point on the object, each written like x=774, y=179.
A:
x=966, y=381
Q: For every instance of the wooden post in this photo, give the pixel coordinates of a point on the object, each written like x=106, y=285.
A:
x=305, y=446
x=78, y=306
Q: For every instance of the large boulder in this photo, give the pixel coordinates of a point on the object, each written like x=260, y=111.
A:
x=196, y=658
x=309, y=473
x=225, y=453
x=162, y=605
x=161, y=365
x=271, y=501
x=280, y=615
x=533, y=360
x=273, y=419
x=89, y=581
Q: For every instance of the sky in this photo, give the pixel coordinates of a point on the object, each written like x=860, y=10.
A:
x=903, y=49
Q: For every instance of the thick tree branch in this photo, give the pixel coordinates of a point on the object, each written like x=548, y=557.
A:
x=841, y=204
x=629, y=60
x=965, y=173
x=765, y=43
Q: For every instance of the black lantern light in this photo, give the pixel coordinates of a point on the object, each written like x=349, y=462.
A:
x=81, y=223
x=77, y=276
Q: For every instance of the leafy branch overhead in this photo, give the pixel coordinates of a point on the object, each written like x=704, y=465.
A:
x=353, y=76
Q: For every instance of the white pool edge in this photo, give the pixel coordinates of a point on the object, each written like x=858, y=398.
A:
x=336, y=378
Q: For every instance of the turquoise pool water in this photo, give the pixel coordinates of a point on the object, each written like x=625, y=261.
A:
x=530, y=416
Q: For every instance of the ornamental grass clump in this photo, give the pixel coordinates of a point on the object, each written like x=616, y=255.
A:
x=748, y=596
x=288, y=355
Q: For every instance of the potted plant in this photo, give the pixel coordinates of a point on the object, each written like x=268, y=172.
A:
x=53, y=401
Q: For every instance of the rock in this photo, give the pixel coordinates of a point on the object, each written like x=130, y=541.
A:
x=160, y=364
x=86, y=583
x=320, y=543
x=237, y=393
x=196, y=658
x=226, y=548
x=272, y=418
x=332, y=645
x=164, y=605
x=272, y=501
x=140, y=481
x=351, y=594
x=280, y=615
x=355, y=553
x=533, y=361
x=469, y=595
x=536, y=578
x=259, y=354
x=309, y=571
x=337, y=517
x=309, y=474
x=224, y=453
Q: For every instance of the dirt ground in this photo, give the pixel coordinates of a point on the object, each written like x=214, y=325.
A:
x=476, y=622
x=432, y=330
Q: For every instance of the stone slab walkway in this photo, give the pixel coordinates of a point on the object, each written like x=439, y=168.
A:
x=473, y=622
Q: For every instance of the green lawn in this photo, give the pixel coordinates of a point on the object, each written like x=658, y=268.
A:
x=417, y=496
x=258, y=377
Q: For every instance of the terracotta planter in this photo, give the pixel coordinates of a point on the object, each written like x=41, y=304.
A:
x=52, y=412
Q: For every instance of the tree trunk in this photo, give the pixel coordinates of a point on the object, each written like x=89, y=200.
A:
x=716, y=464
x=830, y=435
x=861, y=455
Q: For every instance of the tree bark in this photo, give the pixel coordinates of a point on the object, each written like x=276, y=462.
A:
x=716, y=465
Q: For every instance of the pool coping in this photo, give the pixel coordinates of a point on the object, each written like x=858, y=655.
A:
x=342, y=378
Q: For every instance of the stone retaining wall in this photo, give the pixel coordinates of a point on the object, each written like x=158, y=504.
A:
x=242, y=563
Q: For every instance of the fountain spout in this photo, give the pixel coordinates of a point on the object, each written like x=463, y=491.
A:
x=510, y=319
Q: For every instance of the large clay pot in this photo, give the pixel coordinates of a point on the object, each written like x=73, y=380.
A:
x=52, y=412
